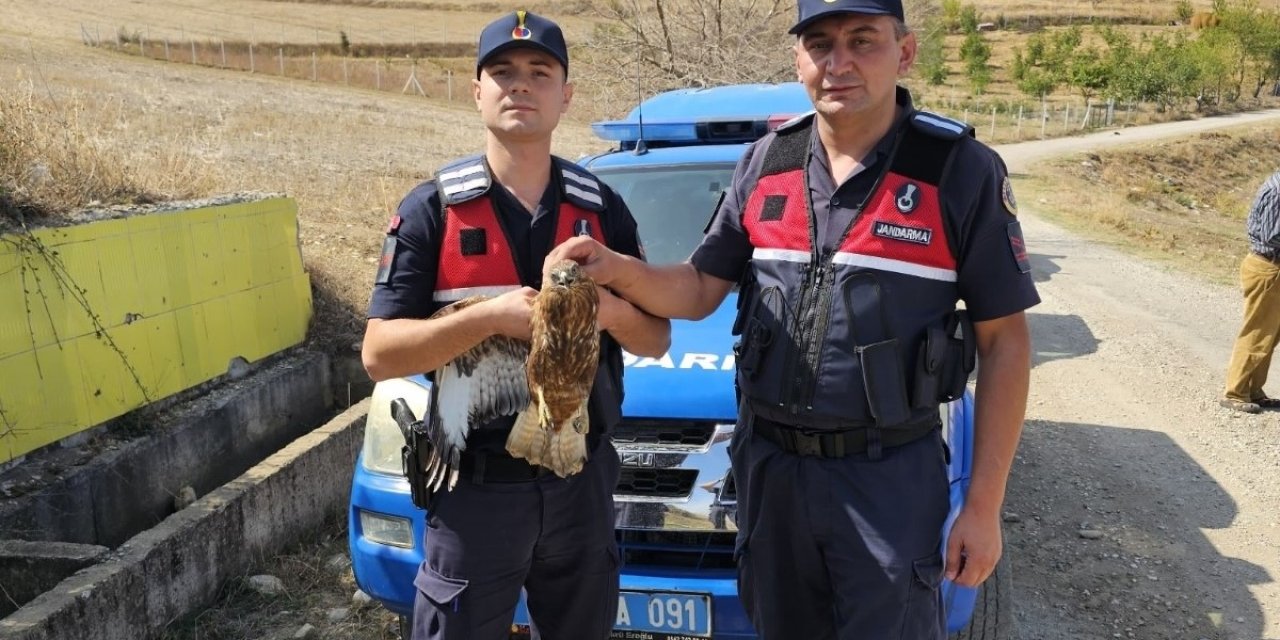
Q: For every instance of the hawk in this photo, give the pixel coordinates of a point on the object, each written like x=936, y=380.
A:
x=545, y=382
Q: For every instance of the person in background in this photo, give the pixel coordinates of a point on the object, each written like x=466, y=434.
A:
x=1259, y=277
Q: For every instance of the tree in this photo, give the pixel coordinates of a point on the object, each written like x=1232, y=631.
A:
x=976, y=53
x=1088, y=72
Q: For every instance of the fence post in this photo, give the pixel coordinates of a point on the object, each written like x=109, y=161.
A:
x=251, y=66
x=166, y=50
x=1019, y=122
x=346, y=79
x=377, y=74
x=448, y=74
x=966, y=115
x=1111, y=111
x=1066, y=117
x=1044, y=118
x=993, y=122
x=193, y=51
x=314, y=77
x=281, y=52
x=142, y=45
x=222, y=44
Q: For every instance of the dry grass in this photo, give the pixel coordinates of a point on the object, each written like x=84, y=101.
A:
x=346, y=155
x=312, y=590
x=145, y=129
x=59, y=153
x=1182, y=202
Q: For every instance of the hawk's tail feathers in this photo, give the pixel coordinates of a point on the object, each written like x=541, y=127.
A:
x=527, y=439
x=567, y=446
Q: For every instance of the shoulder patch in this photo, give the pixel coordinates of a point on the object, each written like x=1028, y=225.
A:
x=795, y=122
x=940, y=126
x=1006, y=194
x=463, y=180
x=579, y=186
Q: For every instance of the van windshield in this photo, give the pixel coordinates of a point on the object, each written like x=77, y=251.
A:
x=671, y=204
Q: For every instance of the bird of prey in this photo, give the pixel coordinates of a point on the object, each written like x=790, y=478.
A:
x=545, y=383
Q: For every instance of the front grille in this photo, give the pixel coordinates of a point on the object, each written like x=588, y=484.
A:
x=663, y=432
x=658, y=483
x=685, y=549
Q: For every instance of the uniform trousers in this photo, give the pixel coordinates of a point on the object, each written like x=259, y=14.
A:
x=552, y=536
x=841, y=548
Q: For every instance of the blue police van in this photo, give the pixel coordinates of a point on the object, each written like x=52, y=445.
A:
x=672, y=158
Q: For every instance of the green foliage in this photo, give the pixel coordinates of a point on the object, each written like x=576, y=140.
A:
x=1089, y=72
x=951, y=15
x=976, y=53
x=931, y=60
x=1183, y=11
x=969, y=19
x=344, y=43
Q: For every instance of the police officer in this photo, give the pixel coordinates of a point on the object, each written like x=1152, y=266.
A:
x=483, y=226
x=854, y=232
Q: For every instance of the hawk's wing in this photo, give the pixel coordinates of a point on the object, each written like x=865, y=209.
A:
x=484, y=383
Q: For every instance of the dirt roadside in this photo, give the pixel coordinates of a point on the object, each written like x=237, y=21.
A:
x=1124, y=438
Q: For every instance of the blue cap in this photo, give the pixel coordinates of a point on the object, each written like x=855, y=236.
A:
x=814, y=10
x=521, y=29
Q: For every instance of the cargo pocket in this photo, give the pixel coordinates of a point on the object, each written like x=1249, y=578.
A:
x=442, y=591
x=923, y=615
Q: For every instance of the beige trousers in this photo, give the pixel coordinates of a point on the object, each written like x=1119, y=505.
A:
x=1251, y=357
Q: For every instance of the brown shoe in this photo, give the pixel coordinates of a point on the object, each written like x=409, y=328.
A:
x=1241, y=405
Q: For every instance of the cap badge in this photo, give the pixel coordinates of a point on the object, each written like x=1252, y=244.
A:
x=521, y=32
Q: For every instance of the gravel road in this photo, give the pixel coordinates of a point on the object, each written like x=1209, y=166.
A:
x=1137, y=508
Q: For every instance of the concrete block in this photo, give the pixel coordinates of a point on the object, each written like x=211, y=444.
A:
x=28, y=569
x=179, y=565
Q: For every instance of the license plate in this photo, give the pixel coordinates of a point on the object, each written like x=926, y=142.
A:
x=662, y=616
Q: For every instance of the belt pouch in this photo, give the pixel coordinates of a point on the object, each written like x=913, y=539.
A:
x=885, y=385
x=929, y=365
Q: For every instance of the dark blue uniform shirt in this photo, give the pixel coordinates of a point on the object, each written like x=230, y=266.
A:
x=988, y=275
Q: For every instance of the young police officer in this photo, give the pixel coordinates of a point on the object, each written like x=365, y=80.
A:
x=483, y=226
x=854, y=232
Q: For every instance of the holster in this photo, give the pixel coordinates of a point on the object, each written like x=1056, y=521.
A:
x=948, y=354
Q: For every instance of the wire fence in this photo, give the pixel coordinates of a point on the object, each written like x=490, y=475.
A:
x=407, y=68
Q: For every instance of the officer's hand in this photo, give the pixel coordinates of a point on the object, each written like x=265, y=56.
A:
x=974, y=547
x=612, y=309
x=600, y=262
x=509, y=313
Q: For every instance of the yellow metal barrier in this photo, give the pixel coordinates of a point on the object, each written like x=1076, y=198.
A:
x=102, y=318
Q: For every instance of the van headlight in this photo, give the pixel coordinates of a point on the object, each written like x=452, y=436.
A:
x=384, y=529
x=382, y=437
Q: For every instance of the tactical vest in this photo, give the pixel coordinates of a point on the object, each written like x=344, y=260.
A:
x=864, y=335
x=475, y=254
x=476, y=257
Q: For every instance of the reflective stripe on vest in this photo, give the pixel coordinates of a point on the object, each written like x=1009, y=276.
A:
x=475, y=258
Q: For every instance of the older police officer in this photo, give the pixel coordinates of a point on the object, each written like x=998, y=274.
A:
x=854, y=231
x=483, y=226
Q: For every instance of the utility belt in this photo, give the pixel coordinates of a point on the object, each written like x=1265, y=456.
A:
x=500, y=468
x=838, y=444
